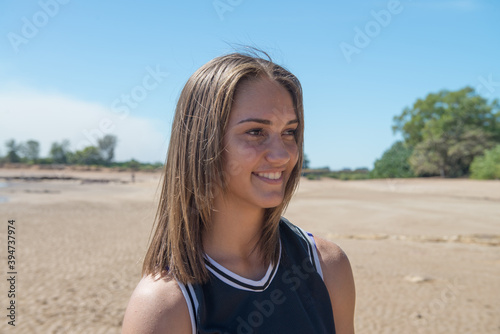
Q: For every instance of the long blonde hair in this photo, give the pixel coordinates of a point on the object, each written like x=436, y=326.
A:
x=194, y=168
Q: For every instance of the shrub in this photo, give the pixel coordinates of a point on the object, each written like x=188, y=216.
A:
x=393, y=163
x=487, y=166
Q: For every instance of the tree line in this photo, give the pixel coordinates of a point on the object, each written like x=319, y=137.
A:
x=446, y=134
x=102, y=154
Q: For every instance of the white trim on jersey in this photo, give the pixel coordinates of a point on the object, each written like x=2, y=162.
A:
x=314, y=256
x=192, y=303
x=240, y=282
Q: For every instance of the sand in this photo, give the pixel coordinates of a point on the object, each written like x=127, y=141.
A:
x=425, y=252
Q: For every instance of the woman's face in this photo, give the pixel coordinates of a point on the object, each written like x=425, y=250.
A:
x=260, y=147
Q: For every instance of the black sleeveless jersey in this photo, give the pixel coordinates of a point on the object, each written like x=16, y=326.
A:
x=291, y=298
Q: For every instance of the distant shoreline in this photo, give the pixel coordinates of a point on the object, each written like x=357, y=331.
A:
x=59, y=178
x=71, y=168
x=83, y=174
x=3, y=199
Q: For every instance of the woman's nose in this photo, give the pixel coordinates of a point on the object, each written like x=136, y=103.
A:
x=277, y=152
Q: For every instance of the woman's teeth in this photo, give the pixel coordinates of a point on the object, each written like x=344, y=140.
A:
x=271, y=176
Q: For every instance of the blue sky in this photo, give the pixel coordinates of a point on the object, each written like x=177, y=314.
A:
x=80, y=69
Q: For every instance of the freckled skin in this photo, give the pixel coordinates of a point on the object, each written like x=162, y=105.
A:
x=253, y=146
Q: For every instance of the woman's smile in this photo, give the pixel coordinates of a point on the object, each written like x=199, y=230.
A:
x=270, y=177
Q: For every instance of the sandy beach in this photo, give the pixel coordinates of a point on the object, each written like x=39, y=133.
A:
x=425, y=252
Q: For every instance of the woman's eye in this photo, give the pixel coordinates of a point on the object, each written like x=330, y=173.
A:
x=260, y=132
x=255, y=132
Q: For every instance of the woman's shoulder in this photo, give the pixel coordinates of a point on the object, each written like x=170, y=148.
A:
x=331, y=254
x=338, y=278
x=157, y=305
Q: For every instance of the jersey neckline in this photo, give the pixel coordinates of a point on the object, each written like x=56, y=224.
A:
x=240, y=282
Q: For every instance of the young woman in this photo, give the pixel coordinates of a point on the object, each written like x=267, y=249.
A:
x=222, y=259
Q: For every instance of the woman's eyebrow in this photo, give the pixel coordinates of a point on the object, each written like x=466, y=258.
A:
x=265, y=121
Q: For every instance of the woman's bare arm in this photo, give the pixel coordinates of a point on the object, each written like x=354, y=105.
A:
x=157, y=306
x=337, y=274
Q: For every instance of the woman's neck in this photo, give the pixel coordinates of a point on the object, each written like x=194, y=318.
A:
x=233, y=236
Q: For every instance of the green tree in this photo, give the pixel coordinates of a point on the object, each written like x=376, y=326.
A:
x=59, y=152
x=134, y=165
x=449, y=155
x=487, y=166
x=107, y=146
x=393, y=163
x=31, y=150
x=447, y=130
x=12, y=151
x=90, y=155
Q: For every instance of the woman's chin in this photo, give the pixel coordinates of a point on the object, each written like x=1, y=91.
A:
x=272, y=202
